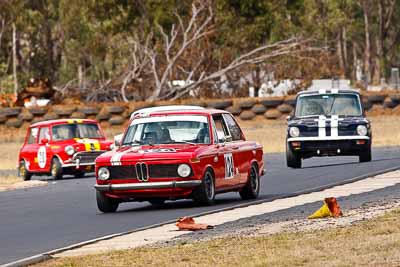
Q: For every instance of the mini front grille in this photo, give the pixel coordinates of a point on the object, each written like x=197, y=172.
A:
x=87, y=157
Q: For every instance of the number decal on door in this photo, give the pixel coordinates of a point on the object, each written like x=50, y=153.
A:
x=42, y=157
x=229, y=166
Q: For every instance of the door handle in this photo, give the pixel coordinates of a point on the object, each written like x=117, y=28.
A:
x=235, y=147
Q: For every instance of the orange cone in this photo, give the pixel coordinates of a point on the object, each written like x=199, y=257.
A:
x=333, y=206
x=330, y=208
x=188, y=224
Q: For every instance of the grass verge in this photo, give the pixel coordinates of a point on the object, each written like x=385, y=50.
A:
x=371, y=243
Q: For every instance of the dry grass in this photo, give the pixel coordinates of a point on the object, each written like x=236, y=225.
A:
x=372, y=243
x=270, y=133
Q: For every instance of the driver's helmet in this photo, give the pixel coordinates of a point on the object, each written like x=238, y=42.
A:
x=153, y=129
x=314, y=108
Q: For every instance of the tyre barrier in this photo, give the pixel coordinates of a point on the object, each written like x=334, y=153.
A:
x=285, y=108
x=219, y=104
x=235, y=110
x=258, y=109
x=116, y=114
x=247, y=115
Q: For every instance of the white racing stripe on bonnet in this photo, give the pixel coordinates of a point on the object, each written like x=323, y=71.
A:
x=321, y=126
x=334, y=125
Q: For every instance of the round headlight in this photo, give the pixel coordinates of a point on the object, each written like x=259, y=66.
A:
x=184, y=170
x=294, y=131
x=70, y=150
x=362, y=130
x=103, y=173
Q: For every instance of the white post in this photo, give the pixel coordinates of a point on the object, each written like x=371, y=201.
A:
x=14, y=50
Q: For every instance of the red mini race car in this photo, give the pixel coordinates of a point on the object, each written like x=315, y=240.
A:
x=168, y=154
x=65, y=146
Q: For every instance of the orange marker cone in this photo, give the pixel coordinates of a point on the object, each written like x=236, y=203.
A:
x=330, y=209
x=188, y=224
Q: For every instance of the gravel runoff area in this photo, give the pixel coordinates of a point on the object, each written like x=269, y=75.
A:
x=356, y=209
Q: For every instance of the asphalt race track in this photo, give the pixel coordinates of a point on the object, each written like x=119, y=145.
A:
x=37, y=220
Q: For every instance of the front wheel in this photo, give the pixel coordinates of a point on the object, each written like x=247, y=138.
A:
x=56, y=169
x=205, y=193
x=365, y=156
x=23, y=171
x=252, y=187
x=106, y=204
x=292, y=160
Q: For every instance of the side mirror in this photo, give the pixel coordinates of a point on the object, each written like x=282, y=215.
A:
x=118, y=140
x=44, y=141
x=289, y=117
x=221, y=137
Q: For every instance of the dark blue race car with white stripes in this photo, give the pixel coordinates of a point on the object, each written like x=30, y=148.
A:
x=328, y=123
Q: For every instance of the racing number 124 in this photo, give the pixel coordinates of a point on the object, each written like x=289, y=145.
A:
x=229, y=168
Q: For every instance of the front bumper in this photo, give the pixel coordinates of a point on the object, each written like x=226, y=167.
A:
x=147, y=185
x=81, y=159
x=329, y=146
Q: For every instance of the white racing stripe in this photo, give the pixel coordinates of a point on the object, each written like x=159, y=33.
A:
x=321, y=126
x=334, y=125
x=116, y=159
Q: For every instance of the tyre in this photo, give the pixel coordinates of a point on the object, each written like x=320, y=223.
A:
x=365, y=156
x=106, y=204
x=205, y=193
x=157, y=202
x=23, y=171
x=56, y=169
x=252, y=188
x=292, y=160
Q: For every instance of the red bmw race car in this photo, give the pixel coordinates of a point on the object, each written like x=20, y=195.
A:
x=168, y=154
x=65, y=146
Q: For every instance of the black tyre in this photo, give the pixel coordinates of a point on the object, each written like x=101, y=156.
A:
x=157, y=202
x=106, y=204
x=23, y=171
x=292, y=160
x=252, y=188
x=205, y=193
x=365, y=156
x=56, y=169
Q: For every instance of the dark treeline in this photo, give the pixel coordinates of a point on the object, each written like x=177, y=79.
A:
x=117, y=45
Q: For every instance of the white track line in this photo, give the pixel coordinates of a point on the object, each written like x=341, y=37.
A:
x=169, y=231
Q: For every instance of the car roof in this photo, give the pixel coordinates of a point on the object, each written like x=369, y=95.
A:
x=145, y=111
x=176, y=110
x=329, y=91
x=61, y=121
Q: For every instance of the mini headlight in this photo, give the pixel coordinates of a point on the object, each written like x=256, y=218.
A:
x=103, y=173
x=184, y=170
x=70, y=150
x=294, y=131
x=362, y=130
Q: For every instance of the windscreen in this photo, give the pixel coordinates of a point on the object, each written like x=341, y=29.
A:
x=168, y=130
x=328, y=104
x=78, y=130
